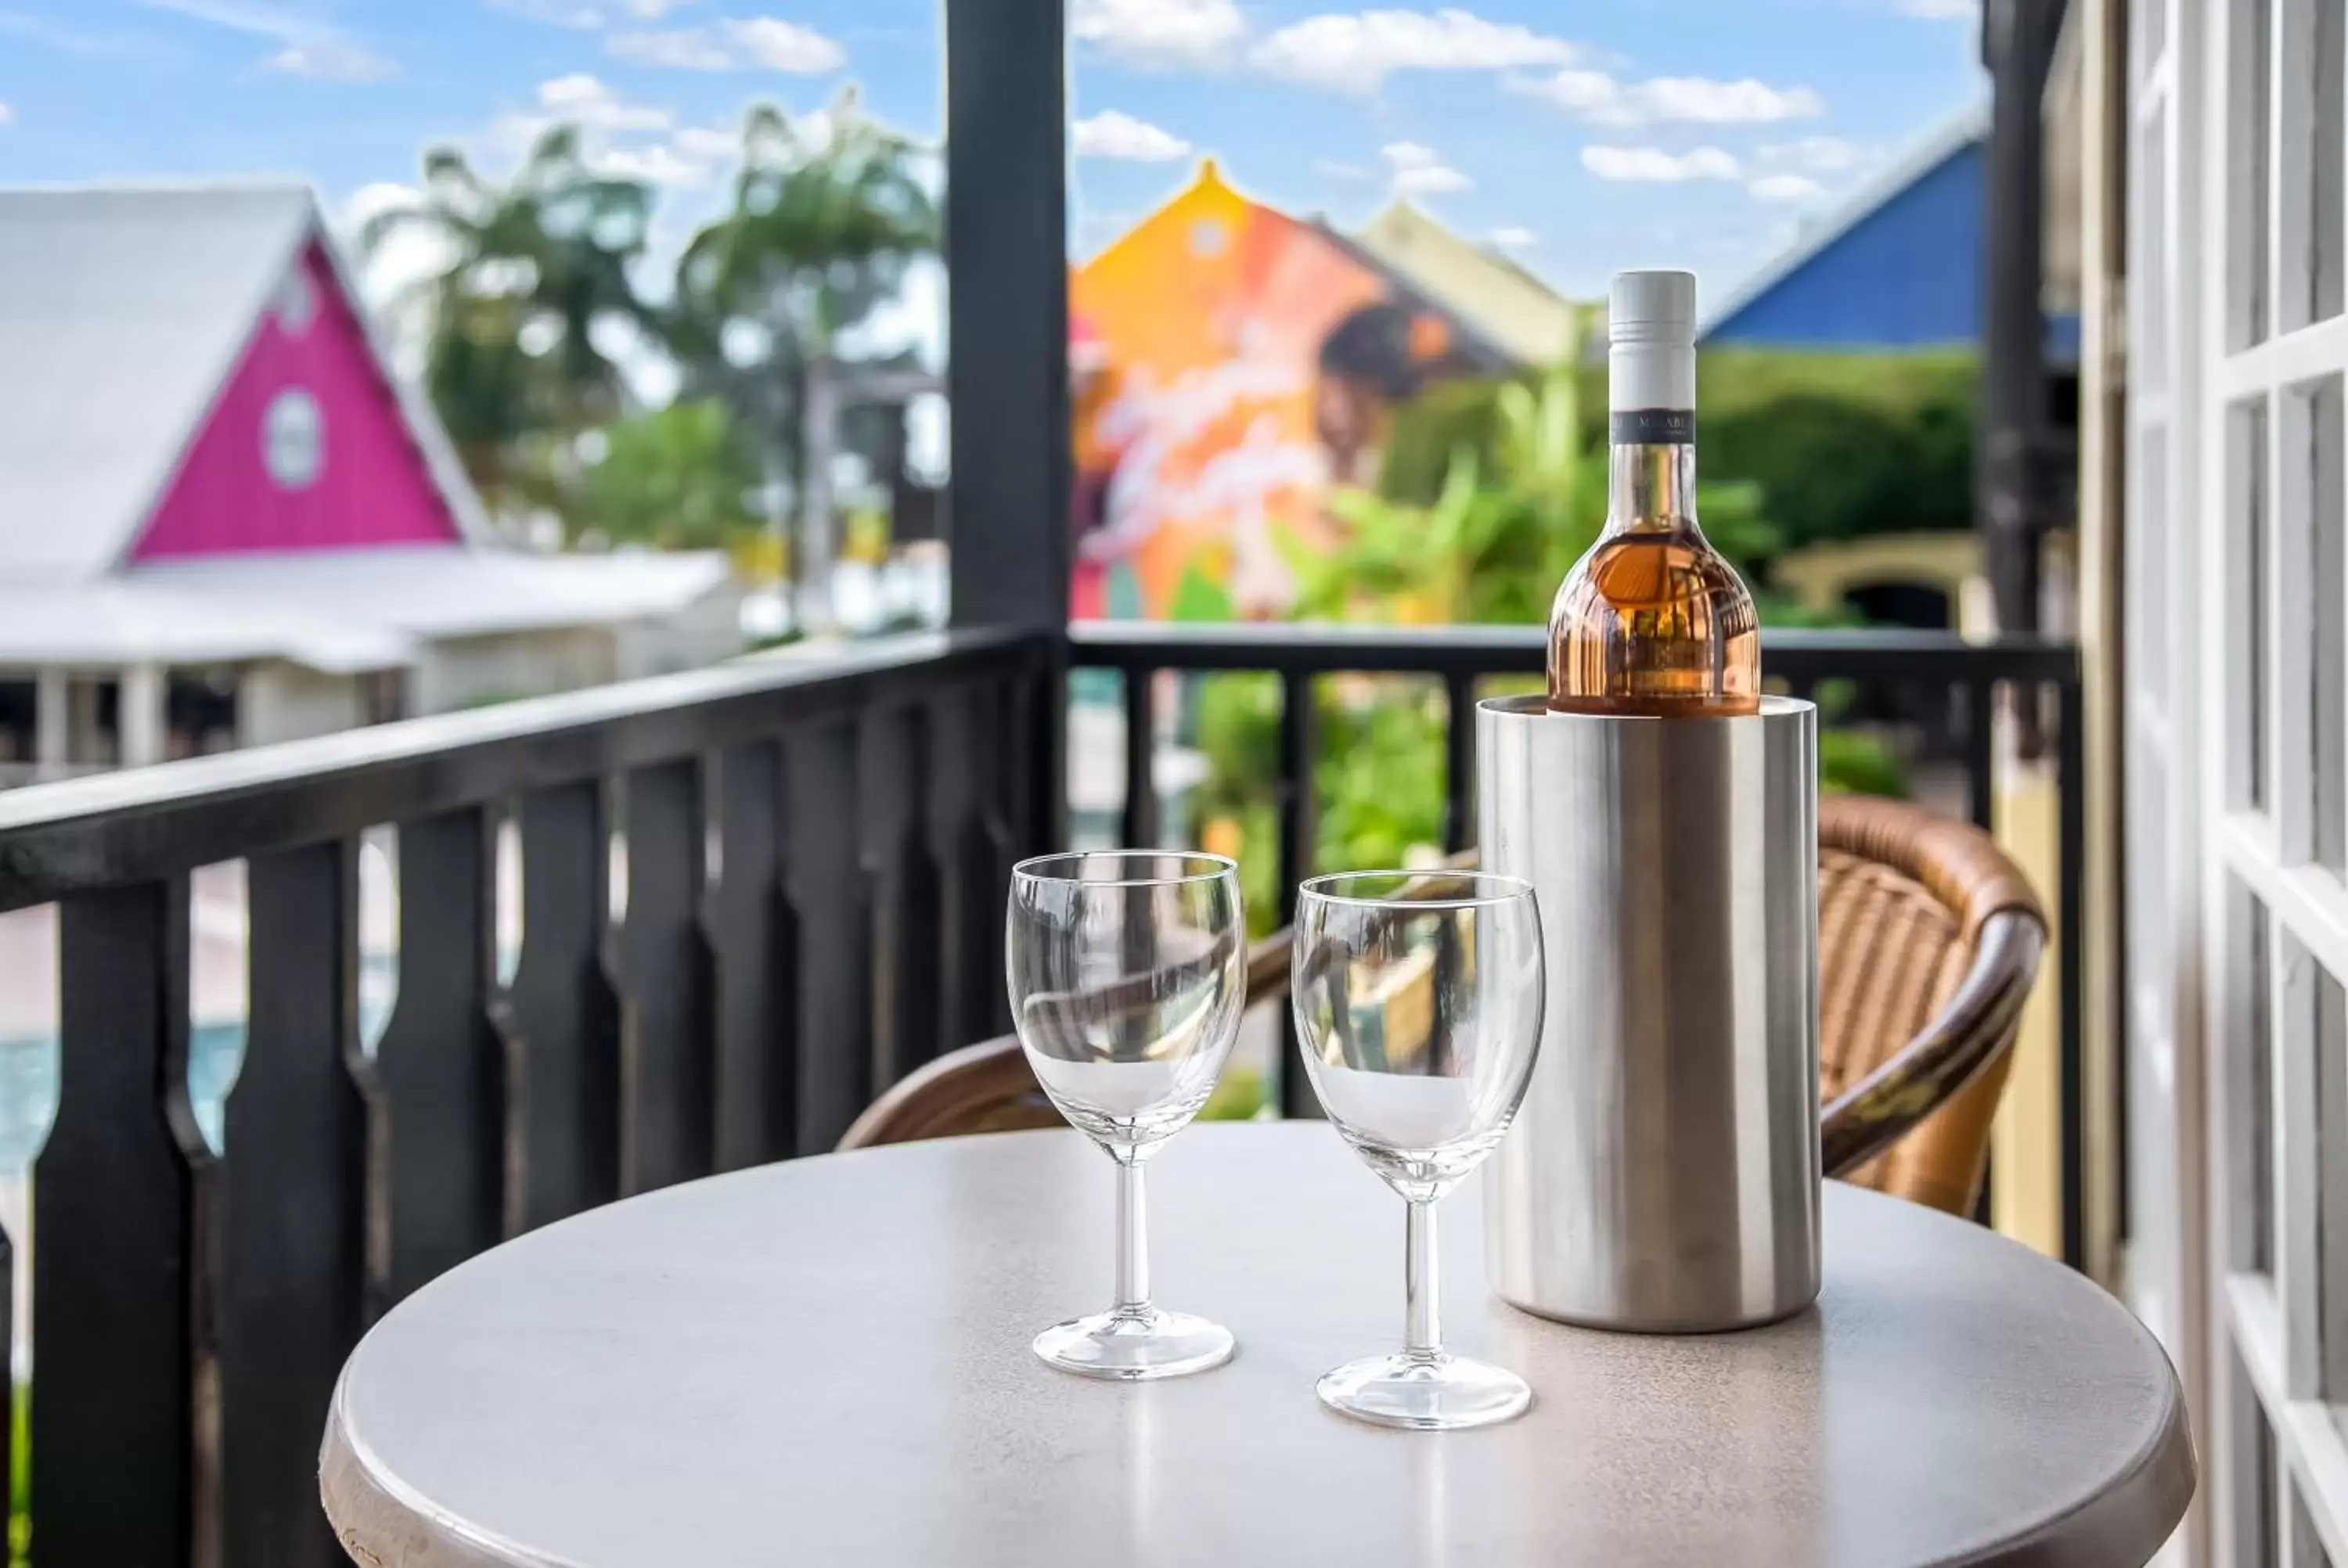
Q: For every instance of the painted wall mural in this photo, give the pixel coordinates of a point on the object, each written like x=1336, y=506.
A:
x=1229, y=366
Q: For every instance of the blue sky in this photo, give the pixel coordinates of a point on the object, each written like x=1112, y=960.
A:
x=1582, y=134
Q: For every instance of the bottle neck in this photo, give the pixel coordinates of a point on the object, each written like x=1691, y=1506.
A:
x=1651, y=487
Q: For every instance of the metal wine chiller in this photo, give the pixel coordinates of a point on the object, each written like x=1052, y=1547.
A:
x=1663, y=1176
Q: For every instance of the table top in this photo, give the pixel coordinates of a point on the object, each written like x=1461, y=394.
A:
x=827, y=1361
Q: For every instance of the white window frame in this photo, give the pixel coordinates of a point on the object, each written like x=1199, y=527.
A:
x=2182, y=719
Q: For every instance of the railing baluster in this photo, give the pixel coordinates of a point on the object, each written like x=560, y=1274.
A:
x=834, y=925
x=117, y=1192
x=949, y=807
x=1298, y=749
x=294, y=1262
x=559, y=1017
x=975, y=805
x=1458, y=762
x=895, y=757
x=1141, y=825
x=667, y=1079
x=1981, y=754
x=440, y=1065
x=755, y=948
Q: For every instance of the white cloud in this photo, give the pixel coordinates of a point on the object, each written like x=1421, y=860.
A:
x=584, y=100
x=7, y=115
x=330, y=60
x=1815, y=155
x=1109, y=134
x=1514, y=238
x=1356, y=52
x=585, y=13
x=1595, y=97
x=307, y=46
x=1786, y=187
x=626, y=140
x=781, y=46
x=1419, y=170
x=1351, y=173
x=1938, y=10
x=686, y=49
x=1163, y=35
x=761, y=41
x=1653, y=165
x=661, y=163
x=554, y=12
x=708, y=143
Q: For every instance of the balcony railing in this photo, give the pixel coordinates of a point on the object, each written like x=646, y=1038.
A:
x=815, y=857
x=1953, y=685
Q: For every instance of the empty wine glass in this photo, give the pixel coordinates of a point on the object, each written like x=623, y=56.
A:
x=1418, y=1007
x=1128, y=972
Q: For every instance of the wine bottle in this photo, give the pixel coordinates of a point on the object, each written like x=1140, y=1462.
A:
x=1653, y=621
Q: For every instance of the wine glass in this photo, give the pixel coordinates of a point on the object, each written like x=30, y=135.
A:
x=1419, y=1001
x=1128, y=972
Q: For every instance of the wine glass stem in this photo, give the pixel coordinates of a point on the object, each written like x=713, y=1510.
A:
x=1423, y=1327
x=1132, y=1239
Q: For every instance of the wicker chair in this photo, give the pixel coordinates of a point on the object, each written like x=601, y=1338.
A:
x=1929, y=942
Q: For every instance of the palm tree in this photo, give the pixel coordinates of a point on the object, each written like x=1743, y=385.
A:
x=535, y=267
x=828, y=215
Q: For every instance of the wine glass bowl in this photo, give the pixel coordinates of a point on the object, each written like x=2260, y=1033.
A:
x=1127, y=973
x=1417, y=997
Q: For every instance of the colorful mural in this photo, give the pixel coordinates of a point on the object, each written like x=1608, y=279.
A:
x=1229, y=366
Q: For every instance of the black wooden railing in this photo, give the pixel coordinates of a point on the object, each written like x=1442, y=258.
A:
x=816, y=856
x=2040, y=681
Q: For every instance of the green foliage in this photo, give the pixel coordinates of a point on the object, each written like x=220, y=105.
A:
x=1518, y=495
x=1491, y=544
x=677, y=479
x=535, y=265
x=1843, y=445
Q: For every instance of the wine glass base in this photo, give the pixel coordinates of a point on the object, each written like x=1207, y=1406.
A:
x=1428, y=1394
x=1134, y=1346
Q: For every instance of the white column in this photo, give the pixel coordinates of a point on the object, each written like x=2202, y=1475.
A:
x=139, y=714
x=52, y=717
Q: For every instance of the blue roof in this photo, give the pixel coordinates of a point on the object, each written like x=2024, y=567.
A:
x=1899, y=267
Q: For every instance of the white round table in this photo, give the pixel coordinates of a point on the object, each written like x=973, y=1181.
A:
x=827, y=1362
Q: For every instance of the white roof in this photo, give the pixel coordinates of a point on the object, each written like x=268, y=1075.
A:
x=1938, y=145
x=337, y=610
x=123, y=311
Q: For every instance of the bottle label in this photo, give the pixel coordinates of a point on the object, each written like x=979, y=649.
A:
x=1652, y=426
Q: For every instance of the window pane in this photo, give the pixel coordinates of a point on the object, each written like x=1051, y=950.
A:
x=2248, y=39
x=2306, y=1545
x=2249, y=1080
x=2313, y=503
x=2331, y=1123
x=2247, y=559
x=2309, y=189
x=2257, y=1541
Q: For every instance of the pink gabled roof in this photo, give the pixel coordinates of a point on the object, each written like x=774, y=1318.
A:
x=125, y=313
x=305, y=448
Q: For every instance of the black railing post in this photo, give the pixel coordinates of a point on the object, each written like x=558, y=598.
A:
x=1459, y=763
x=1140, y=830
x=1299, y=834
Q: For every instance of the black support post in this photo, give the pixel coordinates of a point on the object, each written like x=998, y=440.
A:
x=1007, y=343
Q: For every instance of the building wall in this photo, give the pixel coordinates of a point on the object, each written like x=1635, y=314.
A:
x=468, y=671
x=280, y=702
x=1906, y=275
x=268, y=471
